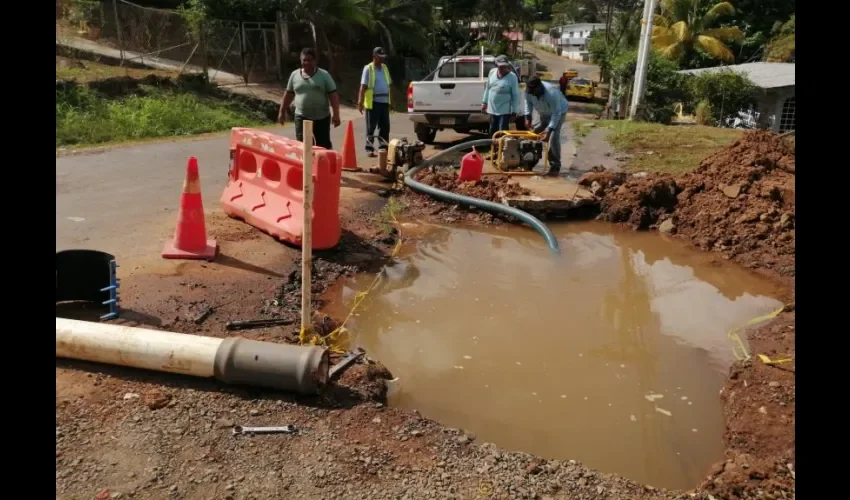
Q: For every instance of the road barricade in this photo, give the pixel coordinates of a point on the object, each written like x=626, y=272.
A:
x=265, y=187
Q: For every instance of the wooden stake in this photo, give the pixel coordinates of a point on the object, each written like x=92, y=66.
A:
x=307, y=237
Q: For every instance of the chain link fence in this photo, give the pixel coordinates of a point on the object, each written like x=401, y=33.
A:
x=228, y=51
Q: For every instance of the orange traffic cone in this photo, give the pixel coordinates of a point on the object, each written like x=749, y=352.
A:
x=190, y=238
x=349, y=156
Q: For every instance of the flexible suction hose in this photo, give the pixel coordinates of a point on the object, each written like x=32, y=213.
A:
x=487, y=206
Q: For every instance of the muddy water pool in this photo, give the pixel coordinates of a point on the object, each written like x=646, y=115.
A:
x=612, y=353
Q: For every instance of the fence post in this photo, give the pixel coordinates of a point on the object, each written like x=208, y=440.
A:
x=202, y=41
x=243, y=40
x=281, y=43
x=118, y=30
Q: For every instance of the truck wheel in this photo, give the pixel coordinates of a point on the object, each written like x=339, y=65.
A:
x=427, y=137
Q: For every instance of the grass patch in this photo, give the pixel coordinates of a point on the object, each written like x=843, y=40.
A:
x=592, y=107
x=87, y=117
x=580, y=130
x=666, y=148
x=388, y=215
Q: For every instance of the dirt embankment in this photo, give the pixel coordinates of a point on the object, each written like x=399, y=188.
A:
x=739, y=202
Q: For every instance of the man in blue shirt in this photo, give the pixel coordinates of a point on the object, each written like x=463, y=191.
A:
x=501, y=96
x=375, y=98
x=551, y=105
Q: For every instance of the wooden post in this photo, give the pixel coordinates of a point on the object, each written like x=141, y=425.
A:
x=307, y=237
x=284, y=33
x=280, y=26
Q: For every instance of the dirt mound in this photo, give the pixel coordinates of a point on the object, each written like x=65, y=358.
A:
x=491, y=188
x=739, y=201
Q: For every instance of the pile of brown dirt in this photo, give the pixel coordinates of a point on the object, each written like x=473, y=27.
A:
x=491, y=188
x=739, y=202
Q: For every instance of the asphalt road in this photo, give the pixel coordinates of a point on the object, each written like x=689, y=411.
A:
x=557, y=64
x=124, y=200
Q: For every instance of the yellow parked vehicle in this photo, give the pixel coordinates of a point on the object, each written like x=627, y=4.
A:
x=581, y=89
x=571, y=73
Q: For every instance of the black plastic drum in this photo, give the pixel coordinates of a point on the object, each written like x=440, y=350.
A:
x=87, y=276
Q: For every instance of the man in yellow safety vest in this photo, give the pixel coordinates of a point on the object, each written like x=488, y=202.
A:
x=374, y=97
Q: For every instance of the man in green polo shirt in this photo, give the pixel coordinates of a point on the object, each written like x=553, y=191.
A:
x=313, y=90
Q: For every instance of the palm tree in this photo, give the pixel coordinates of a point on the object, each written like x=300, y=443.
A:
x=680, y=29
x=782, y=48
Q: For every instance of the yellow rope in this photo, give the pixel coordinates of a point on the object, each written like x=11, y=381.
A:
x=335, y=339
x=485, y=488
x=738, y=348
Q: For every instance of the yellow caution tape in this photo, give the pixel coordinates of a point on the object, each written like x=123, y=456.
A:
x=738, y=347
x=335, y=339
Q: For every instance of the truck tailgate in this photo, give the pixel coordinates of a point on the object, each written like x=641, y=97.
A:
x=448, y=96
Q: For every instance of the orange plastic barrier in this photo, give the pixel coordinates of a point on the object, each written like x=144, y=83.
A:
x=265, y=187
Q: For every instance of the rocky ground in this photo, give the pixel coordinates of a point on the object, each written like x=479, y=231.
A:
x=131, y=434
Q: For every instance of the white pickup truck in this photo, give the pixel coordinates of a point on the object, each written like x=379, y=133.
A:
x=452, y=99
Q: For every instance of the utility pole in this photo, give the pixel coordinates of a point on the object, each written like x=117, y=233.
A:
x=644, y=48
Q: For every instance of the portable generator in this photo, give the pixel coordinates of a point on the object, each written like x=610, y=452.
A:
x=517, y=152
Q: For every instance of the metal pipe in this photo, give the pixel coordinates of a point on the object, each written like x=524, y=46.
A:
x=234, y=360
x=487, y=206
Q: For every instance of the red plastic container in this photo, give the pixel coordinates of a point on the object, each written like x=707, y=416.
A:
x=471, y=166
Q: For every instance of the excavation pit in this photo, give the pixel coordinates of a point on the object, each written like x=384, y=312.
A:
x=612, y=354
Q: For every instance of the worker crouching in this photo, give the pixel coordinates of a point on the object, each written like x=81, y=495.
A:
x=552, y=106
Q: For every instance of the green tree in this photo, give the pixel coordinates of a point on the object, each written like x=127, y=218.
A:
x=579, y=11
x=681, y=29
x=759, y=19
x=402, y=23
x=325, y=16
x=622, y=25
x=664, y=85
x=723, y=93
x=782, y=46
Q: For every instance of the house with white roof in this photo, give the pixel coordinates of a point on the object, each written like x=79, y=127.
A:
x=776, y=96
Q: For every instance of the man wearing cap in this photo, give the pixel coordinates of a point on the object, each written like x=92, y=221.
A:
x=552, y=106
x=501, y=96
x=374, y=97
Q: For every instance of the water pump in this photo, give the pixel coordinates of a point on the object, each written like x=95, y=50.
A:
x=517, y=152
x=520, y=154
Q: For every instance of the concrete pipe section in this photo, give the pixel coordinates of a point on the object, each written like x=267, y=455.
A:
x=234, y=360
